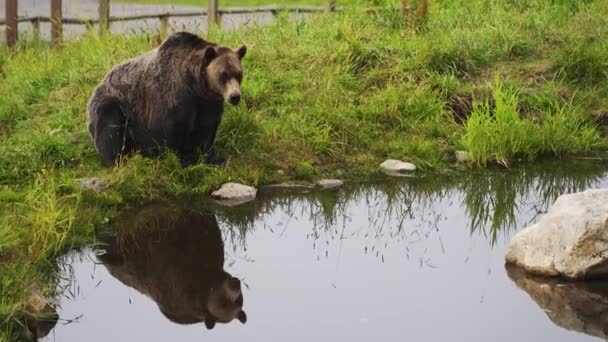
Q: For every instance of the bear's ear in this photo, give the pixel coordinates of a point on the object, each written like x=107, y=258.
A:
x=242, y=317
x=241, y=51
x=210, y=324
x=208, y=55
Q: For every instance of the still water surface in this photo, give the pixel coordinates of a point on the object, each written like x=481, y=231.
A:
x=415, y=259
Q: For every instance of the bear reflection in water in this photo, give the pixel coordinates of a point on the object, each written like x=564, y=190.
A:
x=176, y=257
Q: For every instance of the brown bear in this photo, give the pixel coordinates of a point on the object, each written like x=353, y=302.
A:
x=172, y=96
x=175, y=256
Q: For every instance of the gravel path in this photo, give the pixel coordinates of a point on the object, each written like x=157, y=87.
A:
x=87, y=9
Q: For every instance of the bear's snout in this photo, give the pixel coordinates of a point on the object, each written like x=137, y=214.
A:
x=234, y=98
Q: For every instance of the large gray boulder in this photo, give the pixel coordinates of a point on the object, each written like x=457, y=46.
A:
x=571, y=240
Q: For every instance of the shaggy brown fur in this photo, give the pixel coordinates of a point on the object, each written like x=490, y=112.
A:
x=172, y=96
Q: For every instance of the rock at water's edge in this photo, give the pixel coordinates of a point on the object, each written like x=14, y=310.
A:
x=232, y=194
x=326, y=184
x=571, y=240
x=463, y=156
x=396, y=166
x=44, y=316
x=93, y=183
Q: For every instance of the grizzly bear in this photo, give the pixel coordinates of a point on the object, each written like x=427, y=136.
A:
x=175, y=256
x=172, y=96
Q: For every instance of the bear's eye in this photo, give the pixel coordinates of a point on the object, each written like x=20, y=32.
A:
x=223, y=77
x=239, y=76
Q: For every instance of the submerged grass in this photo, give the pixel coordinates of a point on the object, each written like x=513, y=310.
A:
x=330, y=96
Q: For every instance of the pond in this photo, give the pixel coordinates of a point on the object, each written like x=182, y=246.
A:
x=402, y=259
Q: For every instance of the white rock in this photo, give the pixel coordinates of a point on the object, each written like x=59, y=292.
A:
x=463, y=156
x=571, y=240
x=395, y=167
x=326, y=184
x=36, y=302
x=232, y=194
x=93, y=183
x=43, y=314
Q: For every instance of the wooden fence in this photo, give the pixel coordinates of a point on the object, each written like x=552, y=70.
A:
x=56, y=18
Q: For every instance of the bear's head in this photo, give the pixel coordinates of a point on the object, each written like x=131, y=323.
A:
x=223, y=72
x=225, y=302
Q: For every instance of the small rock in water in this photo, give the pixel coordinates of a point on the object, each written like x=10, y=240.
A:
x=288, y=186
x=394, y=167
x=326, y=184
x=232, y=194
x=38, y=305
x=93, y=183
x=463, y=156
x=568, y=241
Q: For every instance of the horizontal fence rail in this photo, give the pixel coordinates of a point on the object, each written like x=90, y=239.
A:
x=57, y=20
x=213, y=13
x=223, y=11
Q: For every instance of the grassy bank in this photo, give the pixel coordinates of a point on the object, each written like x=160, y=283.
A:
x=328, y=97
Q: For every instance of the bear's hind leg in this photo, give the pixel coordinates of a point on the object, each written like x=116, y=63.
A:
x=110, y=132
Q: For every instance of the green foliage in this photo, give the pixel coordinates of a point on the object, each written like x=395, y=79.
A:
x=501, y=133
x=585, y=62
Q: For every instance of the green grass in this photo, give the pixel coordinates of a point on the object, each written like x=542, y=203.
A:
x=329, y=97
x=500, y=133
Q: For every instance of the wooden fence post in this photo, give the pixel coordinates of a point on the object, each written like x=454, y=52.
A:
x=212, y=13
x=56, y=22
x=36, y=29
x=104, y=16
x=12, y=30
x=405, y=7
x=164, y=25
x=330, y=6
